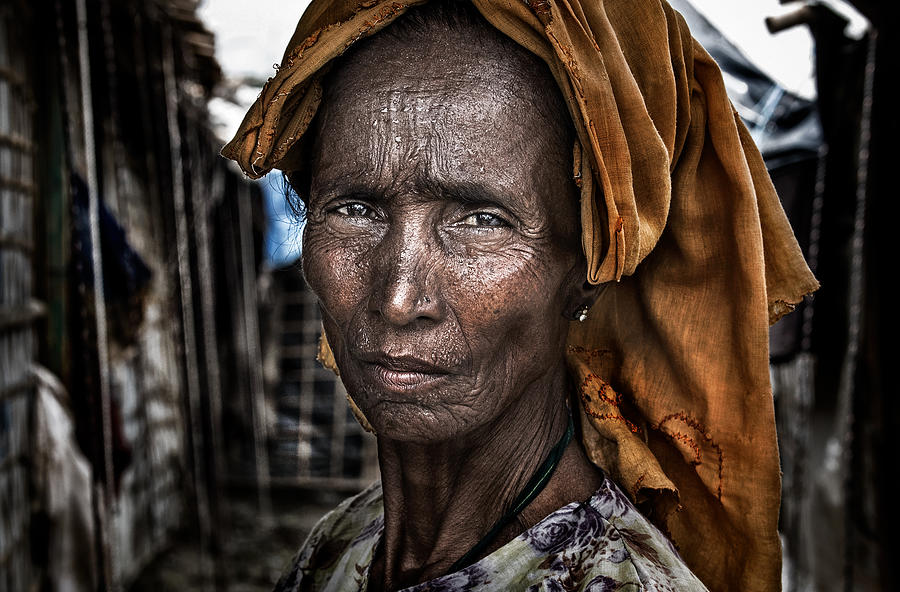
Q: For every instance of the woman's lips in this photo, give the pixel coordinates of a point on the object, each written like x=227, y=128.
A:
x=403, y=373
x=404, y=379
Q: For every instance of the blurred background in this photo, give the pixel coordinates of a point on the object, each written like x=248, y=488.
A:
x=163, y=422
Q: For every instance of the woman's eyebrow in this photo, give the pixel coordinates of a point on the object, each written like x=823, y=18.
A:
x=341, y=188
x=464, y=192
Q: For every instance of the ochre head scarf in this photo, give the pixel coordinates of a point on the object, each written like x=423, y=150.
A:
x=678, y=210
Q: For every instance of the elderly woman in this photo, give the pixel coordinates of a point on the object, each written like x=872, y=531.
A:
x=475, y=178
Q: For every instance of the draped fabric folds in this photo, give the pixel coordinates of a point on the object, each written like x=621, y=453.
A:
x=678, y=212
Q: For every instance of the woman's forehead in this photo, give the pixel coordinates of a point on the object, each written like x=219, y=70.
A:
x=459, y=115
x=448, y=57
x=428, y=132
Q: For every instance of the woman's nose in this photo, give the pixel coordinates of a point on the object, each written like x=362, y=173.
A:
x=406, y=294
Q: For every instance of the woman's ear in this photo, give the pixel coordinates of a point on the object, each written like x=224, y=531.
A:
x=583, y=294
x=584, y=299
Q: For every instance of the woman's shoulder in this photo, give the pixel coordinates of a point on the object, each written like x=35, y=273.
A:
x=654, y=558
x=353, y=516
x=603, y=543
x=342, y=540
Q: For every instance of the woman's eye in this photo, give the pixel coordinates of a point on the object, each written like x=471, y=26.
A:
x=355, y=210
x=484, y=219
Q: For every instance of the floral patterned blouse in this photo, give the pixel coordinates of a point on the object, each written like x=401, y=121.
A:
x=600, y=545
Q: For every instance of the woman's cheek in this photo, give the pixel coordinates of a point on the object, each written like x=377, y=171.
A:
x=509, y=302
x=334, y=268
x=501, y=279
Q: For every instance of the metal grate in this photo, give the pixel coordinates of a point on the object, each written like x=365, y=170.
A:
x=317, y=441
x=17, y=310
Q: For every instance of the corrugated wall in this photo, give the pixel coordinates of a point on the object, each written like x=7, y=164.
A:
x=18, y=311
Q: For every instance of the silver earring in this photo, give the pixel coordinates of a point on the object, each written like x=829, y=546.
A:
x=581, y=313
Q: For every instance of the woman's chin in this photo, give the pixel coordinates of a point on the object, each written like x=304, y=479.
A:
x=414, y=421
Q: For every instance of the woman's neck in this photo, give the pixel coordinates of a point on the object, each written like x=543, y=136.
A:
x=440, y=499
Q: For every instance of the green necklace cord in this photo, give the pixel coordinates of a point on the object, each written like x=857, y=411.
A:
x=531, y=490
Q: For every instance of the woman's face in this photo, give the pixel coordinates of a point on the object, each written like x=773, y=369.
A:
x=442, y=236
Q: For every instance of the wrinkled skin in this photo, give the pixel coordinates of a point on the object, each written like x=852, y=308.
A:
x=443, y=242
x=435, y=232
